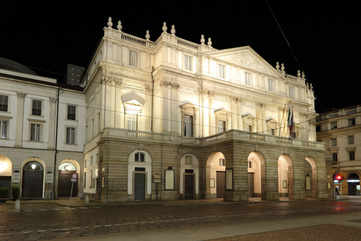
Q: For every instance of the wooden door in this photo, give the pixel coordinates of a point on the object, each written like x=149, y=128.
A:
x=139, y=186
x=64, y=184
x=188, y=186
x=220, y=183
x=33, y=174
x=5, y=183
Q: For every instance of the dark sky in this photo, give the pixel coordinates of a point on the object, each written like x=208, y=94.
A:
x=324, y=38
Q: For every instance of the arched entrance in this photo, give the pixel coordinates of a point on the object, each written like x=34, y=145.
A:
x=139, y=175
x=310, y=178
x=256, y=174
x=189, y=177
x=5, y=177
x=68, y=176
x=33, y=176
x=215, y=175
x=285, y=177
x=353, y=182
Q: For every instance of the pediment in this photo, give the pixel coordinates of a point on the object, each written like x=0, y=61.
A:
x=248, y=58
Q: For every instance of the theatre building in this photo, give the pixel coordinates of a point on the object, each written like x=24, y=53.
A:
x=173, y=119
x=340, y=130
x=41, y=134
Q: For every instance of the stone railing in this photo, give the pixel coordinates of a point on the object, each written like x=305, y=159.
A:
x=228, y=135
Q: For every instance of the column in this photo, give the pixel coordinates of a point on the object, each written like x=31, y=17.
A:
x=19, y=119
x=52, y=122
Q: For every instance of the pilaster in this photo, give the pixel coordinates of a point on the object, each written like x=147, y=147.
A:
x=20, y=119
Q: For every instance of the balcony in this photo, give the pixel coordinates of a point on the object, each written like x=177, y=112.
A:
x=228, y=135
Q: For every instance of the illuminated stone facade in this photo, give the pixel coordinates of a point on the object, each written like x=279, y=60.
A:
x=159, y=111
x=340, y=130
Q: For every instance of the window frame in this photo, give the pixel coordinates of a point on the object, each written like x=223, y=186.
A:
x=248, y=79
x=222, y=71
x=186, y=132
x=67, y=137
x=37, y=132
x=271, y=85
x=71, y=114
x=4, y=97
x=333, y=141
x=351, y=139
x=333, y=125
x=139, y=156
x=351, y=155
x=34, y=109
x=188, y=62
x=351, y=122
x=2, y=135
x=133, y=58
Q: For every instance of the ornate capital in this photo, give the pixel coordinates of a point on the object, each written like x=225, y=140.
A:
x=20, y=94
x=52, y=100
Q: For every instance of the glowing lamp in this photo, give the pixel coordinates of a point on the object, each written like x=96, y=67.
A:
x=339, y=177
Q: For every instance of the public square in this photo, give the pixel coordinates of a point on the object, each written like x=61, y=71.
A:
x=182, y=220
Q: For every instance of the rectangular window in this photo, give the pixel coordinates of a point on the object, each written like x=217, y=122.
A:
x=35, y=132
x=351, y=155
x=250, y=128
x=188, y=62
x=221, y=162
x=139, y=157
x=188, y=125
x=270, y=85
x=351, y=122
x=4, y=126
x=4, y=103
x=70, y=135
x=221, y=127
x=221, y=71
x=133, y=58
x=71, y=112
x=351, y=140
x=248, y=78
x=292, y=92
x=333, y=125
x=333, y=142
x=318, y=128
x=36, y=107
x=249, y=164
x=334, y=157
x=132, y=122
x=273, y=132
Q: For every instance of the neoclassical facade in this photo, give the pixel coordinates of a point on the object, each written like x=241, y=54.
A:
x=34, y=110
x=174, y=119
x=340, y=131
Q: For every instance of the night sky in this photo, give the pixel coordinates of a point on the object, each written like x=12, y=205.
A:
x=324, y=39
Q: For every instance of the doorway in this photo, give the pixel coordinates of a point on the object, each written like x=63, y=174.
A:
x=139, y=187
x=221, y=182
x=33, y=175
x=188, y=185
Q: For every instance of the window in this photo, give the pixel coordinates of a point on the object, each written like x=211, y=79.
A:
x=188, y=62
x=273, y=132
x=222, y=162
x=351, y=155
x=133, y=58
x=248, y=78
x=333, y=142
x=70, y=135
x=35, y=132
x=250, y=164
x=221, y=127
x=139, y=157
x=351, y=140
x=188, y=125
x=132, y=122
x=318, y=128
x=4, y=103
x=250, y=128
x=271, y=85
x=292, y=92
x=71, y=112
x=4, y=129
x=221, y=71
x=351, y=122
x=334, y=157
x=333, y=125
x=188, y=160
x=36, y=107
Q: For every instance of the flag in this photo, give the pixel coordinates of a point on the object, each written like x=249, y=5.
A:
x=290, y=122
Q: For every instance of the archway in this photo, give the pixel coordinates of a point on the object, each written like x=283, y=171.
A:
x=33, y=180
x=215, y=175
x=139, y=175
x=256, y=175
x=68, y=178
x=353, y=182
x=5, y=177
x=189, y=177
x=310, y=178
x=285, y=177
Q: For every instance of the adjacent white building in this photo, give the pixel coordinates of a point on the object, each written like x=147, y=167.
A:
x=30, y=155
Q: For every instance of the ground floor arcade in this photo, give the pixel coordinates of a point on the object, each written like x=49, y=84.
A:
x=232, y=169
x=32, y=175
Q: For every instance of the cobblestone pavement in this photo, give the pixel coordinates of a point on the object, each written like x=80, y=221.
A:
x=47, y=221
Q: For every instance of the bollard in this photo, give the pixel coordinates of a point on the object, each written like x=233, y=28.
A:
x=17, y=205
